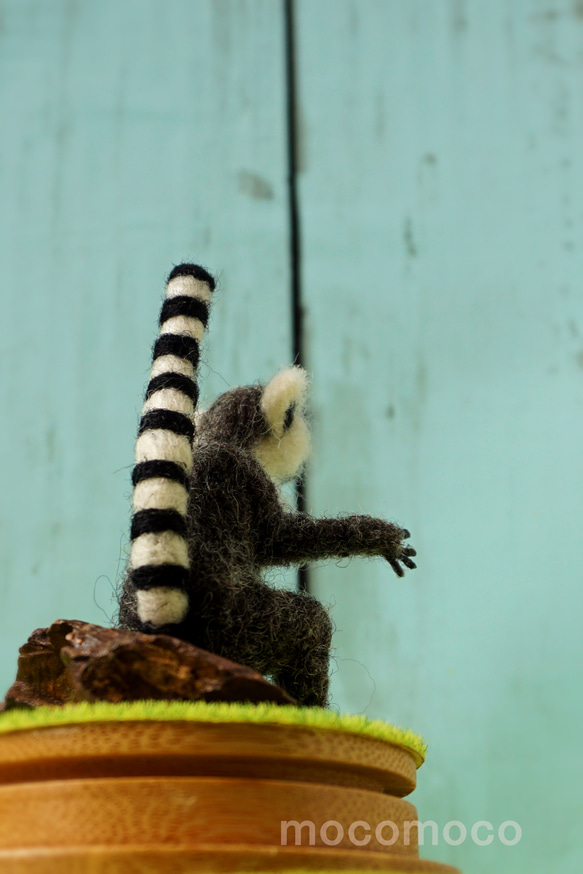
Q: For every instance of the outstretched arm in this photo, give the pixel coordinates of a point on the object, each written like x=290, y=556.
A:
x=299, y=537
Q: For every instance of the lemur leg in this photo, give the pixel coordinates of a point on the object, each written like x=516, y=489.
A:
x=283, y=635
x=303, y=639
x=299, y=537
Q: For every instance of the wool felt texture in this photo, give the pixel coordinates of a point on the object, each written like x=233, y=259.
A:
x=164, y=449
x=196, y=573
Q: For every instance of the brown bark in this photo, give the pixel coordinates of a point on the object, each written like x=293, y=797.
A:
x=77, y=661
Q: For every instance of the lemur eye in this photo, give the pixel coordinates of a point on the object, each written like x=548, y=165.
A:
x=289, y=417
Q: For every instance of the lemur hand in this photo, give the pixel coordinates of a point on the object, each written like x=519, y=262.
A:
x=401, y=555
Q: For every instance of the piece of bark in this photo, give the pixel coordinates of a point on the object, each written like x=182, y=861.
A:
x=41, y=676
x=78, y=661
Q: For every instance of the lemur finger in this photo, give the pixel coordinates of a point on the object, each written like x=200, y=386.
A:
x=408, y=563
x=396, y=567
x=408, y=550
x=405, y=533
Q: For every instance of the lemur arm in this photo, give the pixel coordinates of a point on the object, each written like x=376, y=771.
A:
x=299, y=537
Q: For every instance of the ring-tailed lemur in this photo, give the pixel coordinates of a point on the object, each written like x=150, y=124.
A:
x=208, y=516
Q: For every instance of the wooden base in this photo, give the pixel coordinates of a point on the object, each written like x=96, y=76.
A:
x=237, y=859
x=102, y=798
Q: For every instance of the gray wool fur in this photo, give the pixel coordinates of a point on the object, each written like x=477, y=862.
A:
x=250, y=440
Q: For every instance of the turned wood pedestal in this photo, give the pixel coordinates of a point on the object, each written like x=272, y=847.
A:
x=181, y=797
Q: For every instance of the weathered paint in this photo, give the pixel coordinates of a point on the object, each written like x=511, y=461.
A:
x=440, y=195
x=443, y=259
x=135, y=135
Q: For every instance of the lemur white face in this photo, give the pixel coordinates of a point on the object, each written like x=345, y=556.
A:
x=286, y=447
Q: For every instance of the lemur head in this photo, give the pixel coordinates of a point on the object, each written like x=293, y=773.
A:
x=267, y=420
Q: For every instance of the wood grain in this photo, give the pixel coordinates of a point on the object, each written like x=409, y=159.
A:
x=210, y=859
x=145, y=748
x=187, y=810
x=442, y=238
x=196, y=796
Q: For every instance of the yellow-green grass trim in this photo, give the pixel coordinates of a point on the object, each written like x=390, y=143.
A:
x=201, y=711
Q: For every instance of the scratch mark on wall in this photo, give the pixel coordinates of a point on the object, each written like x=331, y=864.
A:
x=255, y=186
x=459, y=17
x=408, y=237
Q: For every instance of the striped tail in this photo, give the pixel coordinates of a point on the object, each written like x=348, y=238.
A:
x=159, y=560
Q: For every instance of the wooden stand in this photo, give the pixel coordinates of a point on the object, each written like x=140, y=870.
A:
x=157, y=797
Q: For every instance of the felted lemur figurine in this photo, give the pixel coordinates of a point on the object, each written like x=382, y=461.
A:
x=208, y=515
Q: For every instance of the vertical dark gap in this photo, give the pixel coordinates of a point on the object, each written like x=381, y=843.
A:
x=294, y=224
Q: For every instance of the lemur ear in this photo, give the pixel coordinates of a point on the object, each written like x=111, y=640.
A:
x=282, y=396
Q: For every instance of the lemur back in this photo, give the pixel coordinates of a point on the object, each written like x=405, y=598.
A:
x=208, y=516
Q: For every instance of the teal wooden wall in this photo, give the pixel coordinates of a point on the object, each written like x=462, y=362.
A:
x=440, y=192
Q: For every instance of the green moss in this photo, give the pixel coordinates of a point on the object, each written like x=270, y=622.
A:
x=200, y=711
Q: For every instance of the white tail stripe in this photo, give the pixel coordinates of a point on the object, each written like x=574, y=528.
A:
x=158, y=444
x=172, y=364
x=164, y=547
x=170, y=399
x=183, y=325
x=190, y=286
x=166, y=407
x=162, y=606
x=159, y=493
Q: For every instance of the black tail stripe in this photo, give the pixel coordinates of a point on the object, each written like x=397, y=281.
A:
x=150, y=576
x=167, y=420
x=177, y=344
x=192, y=270
x=184, y=305
x=159, y=468
x=155, y=521
x=173, y=380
